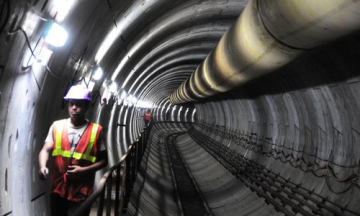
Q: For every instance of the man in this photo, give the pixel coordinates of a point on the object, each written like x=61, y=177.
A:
x=147, y=117
x=78, y=151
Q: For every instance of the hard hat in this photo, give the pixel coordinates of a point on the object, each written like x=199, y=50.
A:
x=78, y=92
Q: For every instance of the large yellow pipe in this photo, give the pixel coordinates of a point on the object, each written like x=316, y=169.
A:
x=268, y=35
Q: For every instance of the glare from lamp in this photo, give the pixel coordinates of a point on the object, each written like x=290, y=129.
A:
x=134, y=100
x=131, y=100
x=125, y=103
x=91, y=85
x=113, y=87
x=143, y=104
x=123, y=95
x=56, y=35
x=97, y=73
x=140, y=104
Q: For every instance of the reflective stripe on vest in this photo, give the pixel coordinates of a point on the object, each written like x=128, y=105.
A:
x=76, y=155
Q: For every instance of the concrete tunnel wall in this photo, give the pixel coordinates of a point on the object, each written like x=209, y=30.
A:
x=307, y=108
x=310, y=105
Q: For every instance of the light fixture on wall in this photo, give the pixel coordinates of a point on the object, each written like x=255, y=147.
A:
x=121, y=96
x=91, y=85
x=55, y=35
x=130, y=100
x=97, y=73
x=112, y=87
x=144, y=104
x=134, y=100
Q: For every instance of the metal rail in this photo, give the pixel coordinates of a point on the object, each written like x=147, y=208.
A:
x=192, y=201
x=284, y=154
x=284, y=195
x=123, y=175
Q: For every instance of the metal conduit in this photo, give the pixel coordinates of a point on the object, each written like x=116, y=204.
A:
x=266, y=36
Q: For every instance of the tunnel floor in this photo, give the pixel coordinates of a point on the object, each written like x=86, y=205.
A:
x=178, y=176
x=188, y=170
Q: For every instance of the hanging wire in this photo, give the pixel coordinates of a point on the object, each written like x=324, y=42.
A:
x=78, y=68
x=32, y=51
x=248, y=142
x=73, y=80
x=7, y=2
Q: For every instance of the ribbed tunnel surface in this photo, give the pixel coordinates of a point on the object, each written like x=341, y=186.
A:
x=284, y=142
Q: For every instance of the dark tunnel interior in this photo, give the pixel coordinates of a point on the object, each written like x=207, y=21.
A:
x=258, y=100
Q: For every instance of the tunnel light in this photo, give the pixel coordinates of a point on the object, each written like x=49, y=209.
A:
x=55, y=35
x=140, y=104
x=128, y=100
x=143, y=104
x=91, y=85
x=98, y=72
x=131, y=100
x=134, y=100
x=113, y=87
x=123, y=94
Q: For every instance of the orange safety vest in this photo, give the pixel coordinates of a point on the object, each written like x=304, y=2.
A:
x=75, y=190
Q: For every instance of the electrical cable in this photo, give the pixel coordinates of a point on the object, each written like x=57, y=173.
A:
x=77, y=70
x=7, y=17
x=46, y=66
x=230, y=157
x=240, y=136
x=286, y=157
x=32, y=52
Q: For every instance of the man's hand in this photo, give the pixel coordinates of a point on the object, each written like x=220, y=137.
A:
x=43, y=172
x=43, y=158
x=74, y=171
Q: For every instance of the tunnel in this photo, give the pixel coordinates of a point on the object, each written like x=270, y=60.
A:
x=255, y=104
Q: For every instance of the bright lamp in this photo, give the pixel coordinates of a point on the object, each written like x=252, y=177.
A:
x=56, y=35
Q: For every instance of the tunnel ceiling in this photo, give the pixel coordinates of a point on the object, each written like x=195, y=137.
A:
x=148, y=47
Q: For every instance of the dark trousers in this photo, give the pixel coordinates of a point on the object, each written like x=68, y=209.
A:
x=63, y=207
